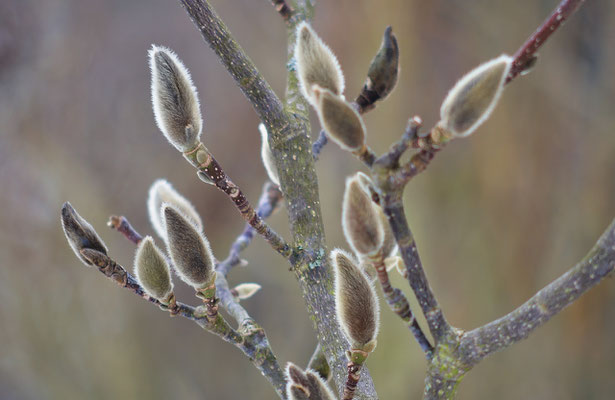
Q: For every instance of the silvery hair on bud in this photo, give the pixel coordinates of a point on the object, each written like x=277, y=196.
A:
x=152, y=270
x=80, y=234
x=189, y=249
x=162, y=192
x=306, y=385
x=316, y=64
x=470, y=102
x=356, y=303
x=339, y=119
x=267, y=156
x=174, y=99
x=360, y=220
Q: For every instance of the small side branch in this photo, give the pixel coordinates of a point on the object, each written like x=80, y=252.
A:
x=268, y=203
x=516, y=326
x=526, y=53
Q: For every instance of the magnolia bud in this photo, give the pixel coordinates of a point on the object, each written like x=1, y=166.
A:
x=356, y=302
x=80, y=234
x=174, y=99
x=267, y=156
x=244, y=291
x=162, y=192
x=306, y=385
x=316, y=64
x=189, y=249
x=340, y=120
x=382, y=73
x=470, y=102
x=362, y=225
x=152, y=270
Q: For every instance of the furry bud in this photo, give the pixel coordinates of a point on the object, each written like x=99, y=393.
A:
x=383, y=71
x=244, y=291
x=267, y=156
x=361, y=223
x=174, y=99
x=316, y=64
x=340, y=120
x=80, y=234
x=152, y=270
x=162, y=192
x=356, y=302
x=306, y=385
x=189, y=249
x=470, y=102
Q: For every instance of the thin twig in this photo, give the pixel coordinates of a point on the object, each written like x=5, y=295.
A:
x=121, y=224
x=211, y=171
x=398, y=302
x=525, y=54
x=268, y=203
x=283, y=9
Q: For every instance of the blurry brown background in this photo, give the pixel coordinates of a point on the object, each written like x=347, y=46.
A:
x=496, y=216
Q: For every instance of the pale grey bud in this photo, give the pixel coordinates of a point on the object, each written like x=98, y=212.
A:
x=316, y=64
x=80, y=234
x=306, y=385
x=152, y=270
x=267, y=156
x=358, y=312
x=162, y=192
x=470, y=102
x=189, y=249
x=174, y=99
x=244, y=291
x=340, y=120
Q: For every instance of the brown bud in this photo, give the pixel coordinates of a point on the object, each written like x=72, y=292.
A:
x=267, y=156
x=152, y=270
x=162, y=192
x=189, y=249
x=340, y=120
x=382, y=73
x=80, y=234
x=470, y=102
x=360, y=220
x=174, y=99
x=316, y=64
x=356, y=302
x=306, y=385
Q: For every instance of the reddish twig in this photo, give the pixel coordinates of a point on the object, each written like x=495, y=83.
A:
x=122, y=225
x=525, y=55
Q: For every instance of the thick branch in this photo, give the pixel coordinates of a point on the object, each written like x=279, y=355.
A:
x=516, y=326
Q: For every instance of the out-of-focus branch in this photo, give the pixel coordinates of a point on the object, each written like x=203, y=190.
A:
x=526, y=53
x=283, y=9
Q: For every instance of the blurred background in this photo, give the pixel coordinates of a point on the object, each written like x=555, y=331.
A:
x=496, y=216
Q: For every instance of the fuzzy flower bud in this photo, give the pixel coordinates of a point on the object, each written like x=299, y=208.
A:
x=360, y=220
x=80, y=234
x=306, y=385
x=340, y=120
x=267, y=156
x=162, y=192
x=152, y=270
x=174, y=99
x=244, y=291
x=189, y=249
x=470, y=102
x=356, y=302
x=316, y=64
